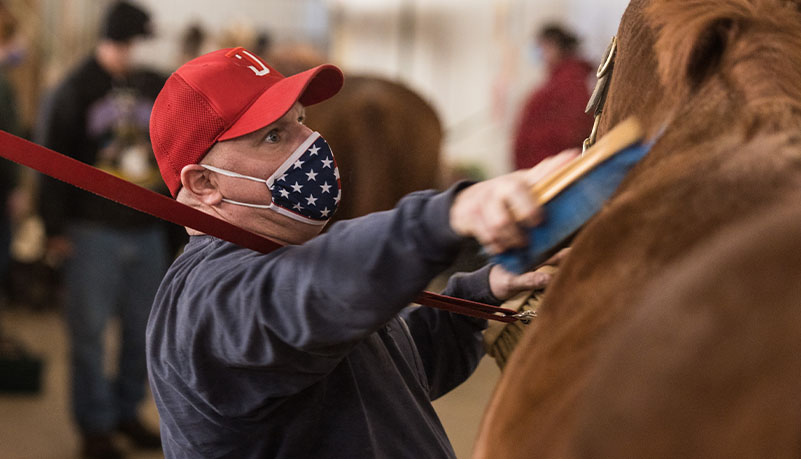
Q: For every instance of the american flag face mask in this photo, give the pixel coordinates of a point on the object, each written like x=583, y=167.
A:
x=305, y=187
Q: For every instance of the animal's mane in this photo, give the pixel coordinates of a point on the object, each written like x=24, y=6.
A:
x=721, y=81
x=750, y=48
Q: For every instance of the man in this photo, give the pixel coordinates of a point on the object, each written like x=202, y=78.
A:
x=114, y=256
x=9, y=122
x=307, y=351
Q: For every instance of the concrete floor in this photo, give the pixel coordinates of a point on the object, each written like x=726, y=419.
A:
x=39, y=426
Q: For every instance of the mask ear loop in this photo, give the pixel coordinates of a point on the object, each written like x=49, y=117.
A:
x=281, y=169
x=269, y=182
x=237, y=175
x=232, y=174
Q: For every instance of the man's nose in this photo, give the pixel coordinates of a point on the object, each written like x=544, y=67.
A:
x=306, y=131
x=300, y=134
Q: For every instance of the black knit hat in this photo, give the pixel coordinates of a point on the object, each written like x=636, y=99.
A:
x=124, y=22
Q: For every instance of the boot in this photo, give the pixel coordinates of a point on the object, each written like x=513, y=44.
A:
x=139, y=435
x=100, y=446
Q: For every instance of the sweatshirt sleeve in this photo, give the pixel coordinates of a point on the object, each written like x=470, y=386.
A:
x=58, y=128
x=301, y=309
x=451, y=345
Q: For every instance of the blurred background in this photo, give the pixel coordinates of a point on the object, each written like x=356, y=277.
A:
x=474, y=63
x=468, y=58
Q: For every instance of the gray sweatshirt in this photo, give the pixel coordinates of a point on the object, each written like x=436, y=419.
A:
x=311, y=351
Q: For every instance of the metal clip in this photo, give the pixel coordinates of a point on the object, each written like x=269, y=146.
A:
x=590, y=141
x=525, y=316
x=598, y=93
x=598, y=98
x=609, y=58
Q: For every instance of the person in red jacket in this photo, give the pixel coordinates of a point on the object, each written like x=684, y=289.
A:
x=553, y=117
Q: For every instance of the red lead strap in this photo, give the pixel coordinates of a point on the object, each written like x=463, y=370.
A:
x=103, y=184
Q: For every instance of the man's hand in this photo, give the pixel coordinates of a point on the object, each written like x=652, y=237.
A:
x=498, y=211
x=505, y=285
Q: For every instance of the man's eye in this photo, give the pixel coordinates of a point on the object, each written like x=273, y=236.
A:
x=272, y=137
x=302, y=119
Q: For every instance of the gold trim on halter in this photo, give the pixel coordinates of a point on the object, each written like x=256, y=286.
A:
x=598, y=97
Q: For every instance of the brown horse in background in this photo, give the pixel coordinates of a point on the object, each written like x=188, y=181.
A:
x=386, y=140
x=385, y=137
x=673, y=328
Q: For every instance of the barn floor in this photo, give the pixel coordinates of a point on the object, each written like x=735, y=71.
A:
x=39, y=426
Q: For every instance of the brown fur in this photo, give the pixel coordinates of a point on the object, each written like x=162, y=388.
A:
x=716, y=370
x=721, y=79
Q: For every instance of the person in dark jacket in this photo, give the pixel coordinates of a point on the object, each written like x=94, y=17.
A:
x=9, y=122
x=114, y=256
x=308, y=351
x=553, y=118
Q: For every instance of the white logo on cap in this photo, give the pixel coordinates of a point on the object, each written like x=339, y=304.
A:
x=254, y=60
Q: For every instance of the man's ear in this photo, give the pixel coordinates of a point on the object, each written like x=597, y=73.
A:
x=199, y=182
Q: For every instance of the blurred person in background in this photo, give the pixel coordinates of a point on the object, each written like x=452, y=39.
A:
x=10, y=55
x=553, y=118
x=114, y=257
x=191, y=43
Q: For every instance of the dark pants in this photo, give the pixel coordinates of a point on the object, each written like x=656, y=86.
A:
x=111, y=272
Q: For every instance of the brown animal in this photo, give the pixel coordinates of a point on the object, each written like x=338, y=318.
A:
x=716, y=370
x=672, y=329
x=386, y=139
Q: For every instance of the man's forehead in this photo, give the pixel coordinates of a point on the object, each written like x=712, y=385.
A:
x=256, y=136
x=290, y=116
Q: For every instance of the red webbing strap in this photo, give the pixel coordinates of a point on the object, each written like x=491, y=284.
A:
x=467, y=307
x=106, y=185
x=102, y=183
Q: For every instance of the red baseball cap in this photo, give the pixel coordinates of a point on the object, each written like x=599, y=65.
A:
x=223, y=95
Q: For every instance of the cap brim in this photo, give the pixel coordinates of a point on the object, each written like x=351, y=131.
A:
x=310, y=87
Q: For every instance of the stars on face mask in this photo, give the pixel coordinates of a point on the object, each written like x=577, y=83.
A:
x=295, y=191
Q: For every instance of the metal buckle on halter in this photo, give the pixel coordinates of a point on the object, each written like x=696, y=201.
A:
x=598, y=98
x=609, y=58
x=525, y=316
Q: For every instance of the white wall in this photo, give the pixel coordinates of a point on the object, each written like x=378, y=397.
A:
x=305, y=20
x=467, y=57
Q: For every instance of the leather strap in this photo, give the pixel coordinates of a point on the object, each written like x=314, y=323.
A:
x=103, y=184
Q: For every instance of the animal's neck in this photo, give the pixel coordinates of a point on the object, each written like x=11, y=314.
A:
x=755, y=92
